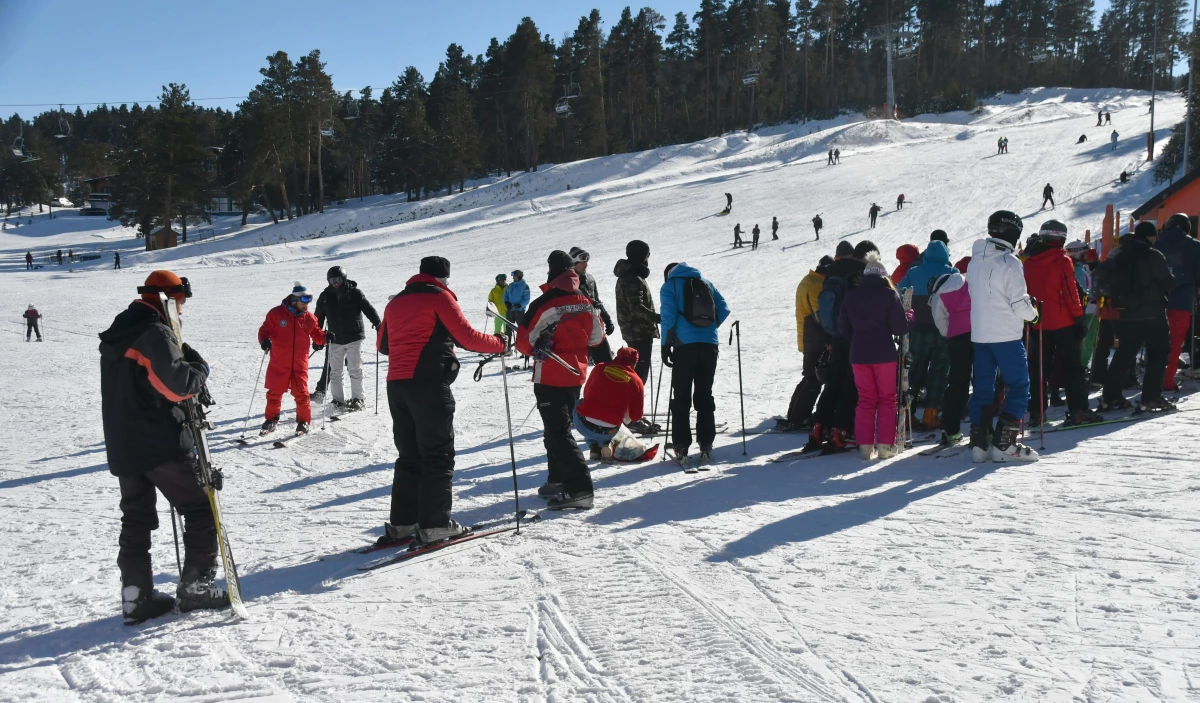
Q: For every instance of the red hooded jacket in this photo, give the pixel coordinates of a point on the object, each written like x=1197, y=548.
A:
x=1050, y=277
x=906, y=254
x=289, y=334
x=574, y=323
x=614, y=394
x=420, y=328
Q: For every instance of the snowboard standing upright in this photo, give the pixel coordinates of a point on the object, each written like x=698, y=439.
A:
x=208, y=476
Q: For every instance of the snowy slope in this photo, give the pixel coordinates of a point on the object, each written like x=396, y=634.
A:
x=826, y=580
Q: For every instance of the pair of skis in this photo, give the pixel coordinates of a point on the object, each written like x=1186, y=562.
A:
x=416, y=549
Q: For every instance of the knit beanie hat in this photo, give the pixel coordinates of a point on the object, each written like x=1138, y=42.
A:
x=843, y=250
x=938, y=235
x=864, y=248
x=559, y=261
x=637, y=251
x=577, y=254
x=1145, y=230
x=875, y=267
x=627, y=356
x=436, y=266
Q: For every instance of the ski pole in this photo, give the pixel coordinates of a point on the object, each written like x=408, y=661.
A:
x=1041, y=382
x=670, y=397
x=175, y=531
x=658, y=392
x=737, y=327
x=325, y=372
x=376, y=378
x=512, y=452
x=253, y=392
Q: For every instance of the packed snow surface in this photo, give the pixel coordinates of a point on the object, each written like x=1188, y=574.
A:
x=912, y=579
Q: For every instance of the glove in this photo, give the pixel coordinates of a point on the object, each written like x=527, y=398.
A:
x=192, y=356
x=265, y=344
x=657, y=318
x=542, y=348
x=318, y=347
x=666, y=357
x=609, y=328
x=205, y=397
x=1081, y=328
x=375, y=325
x=908, y=315
x=330, y=337
x=503, y=339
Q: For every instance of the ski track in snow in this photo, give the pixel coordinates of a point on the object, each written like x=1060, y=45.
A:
x=913, y=579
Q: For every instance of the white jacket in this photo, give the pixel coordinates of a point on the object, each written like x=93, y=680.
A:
x=1000, y=305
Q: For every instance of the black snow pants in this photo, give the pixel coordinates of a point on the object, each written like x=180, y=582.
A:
x=840, y=396
x=423, y=429
x=564, y=462
x=31, y=327
x=1063, y=341
x=800, y=409
x=1131, y=335
x=958, y=386
x=691, y=384
x=139, y=517
x=645, y=350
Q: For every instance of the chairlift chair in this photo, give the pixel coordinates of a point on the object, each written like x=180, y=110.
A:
x=750, y=77
x=64, y=126
x=327, y=129
x=562, y=107
x=351, y=107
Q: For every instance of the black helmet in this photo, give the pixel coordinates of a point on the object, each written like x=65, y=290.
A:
x=1179, y=221
x=335, y=272
x=1006, y=225
x=1053, y=228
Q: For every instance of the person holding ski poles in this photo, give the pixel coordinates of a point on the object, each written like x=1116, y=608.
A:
x=421, y=326
x=818, y=223
x=285, y=334
x=559, y=328
x=31, y=322
x=692, y=310
x=496, y=298
x=342, y=305
x=144, y=376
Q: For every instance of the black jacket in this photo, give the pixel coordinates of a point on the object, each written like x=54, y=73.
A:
x=143, y=378
x=344, y=310
x=1138, y=279
x=587, y=286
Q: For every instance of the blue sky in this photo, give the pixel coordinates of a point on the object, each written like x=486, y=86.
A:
x=71, y=52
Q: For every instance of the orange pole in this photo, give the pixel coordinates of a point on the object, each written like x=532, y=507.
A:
x=1087, y=236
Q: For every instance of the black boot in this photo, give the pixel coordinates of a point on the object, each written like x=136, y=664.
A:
x=197, y=590
x=139, y=601
x=981, y=442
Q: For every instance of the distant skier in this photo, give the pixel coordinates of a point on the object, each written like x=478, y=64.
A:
x=28, y=260
x=900, y=202
x=774, y=228
x=31, y=322
x=737, y=236
x=728, y=203
x=71, y=256
x=754, y=241
x=516, y=299
x=1099, y=117
x=829, y=158
x=60, y=257
x=286, y=333
x=1124, y=176
x=873, y=213
x=1005, y=145
x=496, y=298
x=818, y=223
x=837, y=156
x=1112, y=138
x=1047, y=196
x=116, y=259
x=421, y=326
x=1082, y=139
x=144, y=375
x=1000, y=145
x=1108, y=117
x=342, y=306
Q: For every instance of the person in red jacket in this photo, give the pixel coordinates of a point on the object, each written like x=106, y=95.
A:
x=562, y=321
x=286, y=333
x=613, y=396
x=421, y=326
x=1050, y=279
x=907, y=254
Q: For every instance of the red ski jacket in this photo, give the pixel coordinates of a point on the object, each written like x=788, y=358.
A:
x=614, y=394
x=420, y=328
x=289, y=334
x=573, y=324
x=1050, y=277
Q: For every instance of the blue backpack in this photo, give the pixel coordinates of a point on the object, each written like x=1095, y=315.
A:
x=829, y=304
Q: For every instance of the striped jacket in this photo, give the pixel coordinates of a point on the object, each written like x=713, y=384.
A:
x=571, y=322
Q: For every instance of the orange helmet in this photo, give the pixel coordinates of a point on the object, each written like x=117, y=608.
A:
x=163, y=281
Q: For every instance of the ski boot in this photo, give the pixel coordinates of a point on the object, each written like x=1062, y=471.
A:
x=606, y=453
x=318, y=398
x=1158, y=405
x=339, y=405
x=839, y=439
x=681, y=458
x=140, y=602
x=450, y=530
x=887, y=451
x=301, y=428
x=356, y=404
x=1110, y=404
x=594, y=453
x=1005, y=446
x=269, y=426
x=981, y=440
x=568, y=501
x=815, y=438
x=639, y=427
x=1083, y=417
x=866, y=451
x=396, y=534
x=197, y=590
x=705, y=458
x=549, y=490
x=949, y=440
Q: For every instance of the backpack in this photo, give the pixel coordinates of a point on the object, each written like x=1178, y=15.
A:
x=699, y=307
x=829, y=304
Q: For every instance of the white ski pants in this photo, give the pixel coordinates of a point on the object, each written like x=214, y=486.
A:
x=340, y=356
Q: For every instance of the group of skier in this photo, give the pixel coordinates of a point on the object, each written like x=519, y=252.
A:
x=1031, y=317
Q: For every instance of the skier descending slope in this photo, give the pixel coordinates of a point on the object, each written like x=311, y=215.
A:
x=144, y=375
x=421, y=326
x=561, y=320
x=692, y=310
x=1000, y=307
x=342, y=304
x=286, y=333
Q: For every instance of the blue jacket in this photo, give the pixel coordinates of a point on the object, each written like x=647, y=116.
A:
x=676, y=329
x=935, y=262
x=516, y=295
x=1183, y=258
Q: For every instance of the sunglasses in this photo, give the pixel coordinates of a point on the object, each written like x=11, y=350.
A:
x=184, y=287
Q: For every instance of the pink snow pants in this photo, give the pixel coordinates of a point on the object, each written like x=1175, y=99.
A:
x=875, y=416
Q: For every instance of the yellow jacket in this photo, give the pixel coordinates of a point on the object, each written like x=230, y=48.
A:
x=496, y=296
x=806, y=302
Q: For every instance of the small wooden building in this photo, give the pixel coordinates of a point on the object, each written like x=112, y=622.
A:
x=162, y=238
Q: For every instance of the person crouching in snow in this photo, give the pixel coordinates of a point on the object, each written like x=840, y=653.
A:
x=871, y=315
x=286, y=333
x=613, y=396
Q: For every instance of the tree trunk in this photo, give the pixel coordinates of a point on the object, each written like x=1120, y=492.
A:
x=320, y=174
x=287, y=205
x=600, y=77
x=270, y=206
x=308, y=201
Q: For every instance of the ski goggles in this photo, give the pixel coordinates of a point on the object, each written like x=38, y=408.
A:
x=184, y=287
x=581, y=256
x=337, y=281
x=302, y=298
